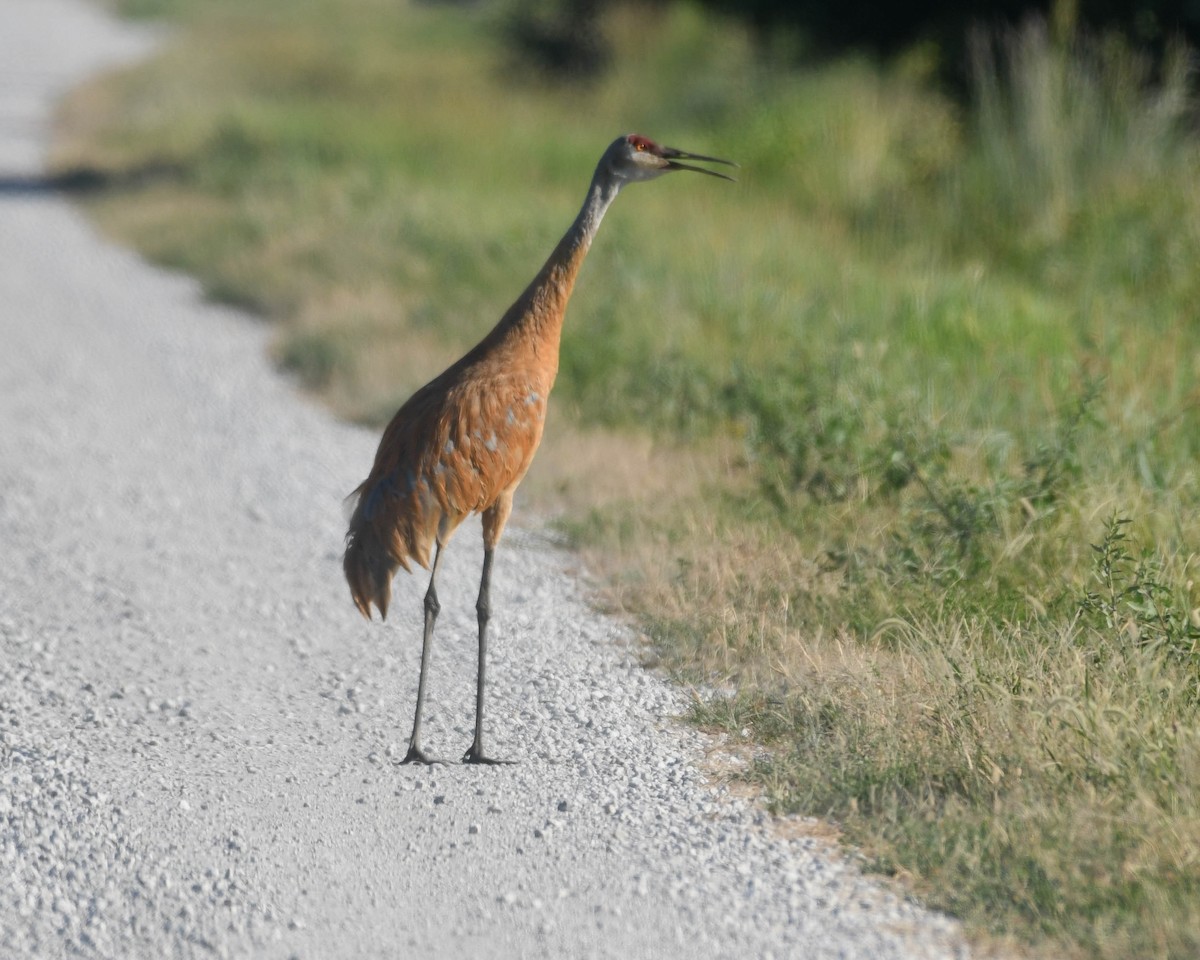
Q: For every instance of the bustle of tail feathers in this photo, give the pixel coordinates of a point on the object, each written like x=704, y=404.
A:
x=368, y=563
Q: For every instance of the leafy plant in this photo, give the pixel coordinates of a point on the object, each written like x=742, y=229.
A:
x=1134, y=599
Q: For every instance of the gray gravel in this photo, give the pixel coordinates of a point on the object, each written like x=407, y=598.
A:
x=198, y=733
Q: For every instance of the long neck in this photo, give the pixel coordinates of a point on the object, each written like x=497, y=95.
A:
x=539, y=310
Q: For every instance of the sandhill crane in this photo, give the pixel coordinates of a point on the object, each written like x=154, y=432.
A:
x=463, y=442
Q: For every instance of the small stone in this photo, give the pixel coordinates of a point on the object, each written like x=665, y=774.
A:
x=473, y=828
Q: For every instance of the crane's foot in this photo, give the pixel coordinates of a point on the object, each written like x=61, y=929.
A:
x=417, y=755
x=475, y=755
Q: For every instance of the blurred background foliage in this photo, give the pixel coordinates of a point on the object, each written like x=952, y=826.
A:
x=568, y=39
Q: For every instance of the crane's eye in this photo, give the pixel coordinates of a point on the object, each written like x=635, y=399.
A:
x=639, y=146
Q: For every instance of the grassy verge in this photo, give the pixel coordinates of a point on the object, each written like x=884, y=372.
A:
x=892, y=448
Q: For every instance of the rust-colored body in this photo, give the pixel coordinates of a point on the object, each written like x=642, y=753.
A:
x=462, y=443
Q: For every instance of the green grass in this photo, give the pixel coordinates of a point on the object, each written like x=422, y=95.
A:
x=895, y=442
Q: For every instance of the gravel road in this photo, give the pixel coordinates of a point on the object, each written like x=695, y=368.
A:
x=198, y=733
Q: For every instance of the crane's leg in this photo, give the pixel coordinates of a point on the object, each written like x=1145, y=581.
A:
x=493, y=523
x=415, y=753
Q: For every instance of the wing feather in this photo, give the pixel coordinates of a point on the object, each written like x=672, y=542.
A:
x=451, y=450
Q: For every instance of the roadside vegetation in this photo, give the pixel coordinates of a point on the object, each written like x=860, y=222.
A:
x=893, y=449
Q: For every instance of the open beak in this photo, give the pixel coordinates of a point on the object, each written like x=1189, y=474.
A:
x=673, y=156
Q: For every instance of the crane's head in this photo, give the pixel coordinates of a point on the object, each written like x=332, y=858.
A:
x=635, y=157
